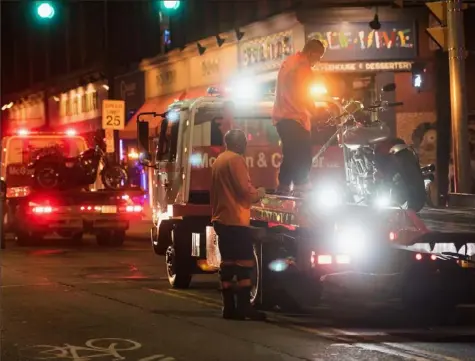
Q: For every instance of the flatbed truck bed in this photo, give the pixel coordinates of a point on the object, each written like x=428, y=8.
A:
x=73, y=213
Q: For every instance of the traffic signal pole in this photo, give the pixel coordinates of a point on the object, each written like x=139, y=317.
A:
x=450, y=38
x=458, y=98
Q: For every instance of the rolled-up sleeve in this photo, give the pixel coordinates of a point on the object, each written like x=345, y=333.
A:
x=242, y=181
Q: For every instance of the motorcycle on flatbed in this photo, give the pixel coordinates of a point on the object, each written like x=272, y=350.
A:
x=307, y=250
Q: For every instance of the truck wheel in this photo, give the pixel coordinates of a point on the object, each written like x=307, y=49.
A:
x=110, y=238
x=256, y=282
x=178, y=269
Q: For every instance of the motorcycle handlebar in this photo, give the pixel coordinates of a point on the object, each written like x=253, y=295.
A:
x=395, y=104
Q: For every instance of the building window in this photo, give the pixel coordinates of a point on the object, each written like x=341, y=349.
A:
x=84, y=102
x=95, y=100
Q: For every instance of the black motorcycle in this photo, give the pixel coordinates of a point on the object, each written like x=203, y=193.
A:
x=379, y=168
x=54, y=171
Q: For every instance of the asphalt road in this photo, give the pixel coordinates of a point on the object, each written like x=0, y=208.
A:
x=88, y=303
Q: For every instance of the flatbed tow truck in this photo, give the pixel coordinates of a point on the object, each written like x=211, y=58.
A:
x=320, y=250
x=32, y=215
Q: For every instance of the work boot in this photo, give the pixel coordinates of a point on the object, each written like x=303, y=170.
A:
x=244, y=307
x=229, y=304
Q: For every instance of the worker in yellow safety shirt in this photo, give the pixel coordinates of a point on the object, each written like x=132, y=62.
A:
x=294, y=109
x=231, y=197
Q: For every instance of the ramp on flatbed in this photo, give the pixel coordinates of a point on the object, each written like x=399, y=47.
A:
x=450, y=225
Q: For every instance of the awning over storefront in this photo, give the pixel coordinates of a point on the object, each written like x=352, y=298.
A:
x=157, y=105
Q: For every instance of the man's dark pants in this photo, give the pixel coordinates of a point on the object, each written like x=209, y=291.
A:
x=237, y=260
x=296, y=154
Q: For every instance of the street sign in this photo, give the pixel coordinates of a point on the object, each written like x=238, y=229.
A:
x=113, y=114
x=110, y=147
x=438, y=32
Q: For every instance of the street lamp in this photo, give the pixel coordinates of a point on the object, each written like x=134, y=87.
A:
x=45, y=10
x=171, y=5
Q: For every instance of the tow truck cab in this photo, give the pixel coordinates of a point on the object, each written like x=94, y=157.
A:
x=31, y=215
x=295, y=239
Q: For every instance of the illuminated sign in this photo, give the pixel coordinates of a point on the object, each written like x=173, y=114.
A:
x=364, y=66
x=267, y=52
x=358, y=42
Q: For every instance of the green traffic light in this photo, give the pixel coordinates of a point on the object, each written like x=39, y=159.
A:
x=171, y=5
x=45, y=10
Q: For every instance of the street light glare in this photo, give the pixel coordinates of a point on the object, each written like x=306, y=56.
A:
x=45, y=11
x=173, y=5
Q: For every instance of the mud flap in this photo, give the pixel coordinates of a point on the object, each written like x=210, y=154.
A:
x=360, y=286
x=213, y=256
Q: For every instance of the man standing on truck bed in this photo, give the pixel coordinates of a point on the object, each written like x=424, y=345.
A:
x=293, y=111
x=231, y=197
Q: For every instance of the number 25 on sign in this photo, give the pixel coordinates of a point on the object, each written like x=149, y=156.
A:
x=113, y=114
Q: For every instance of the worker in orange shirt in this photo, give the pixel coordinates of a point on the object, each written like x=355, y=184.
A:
x=231, y=197
x=293, y=111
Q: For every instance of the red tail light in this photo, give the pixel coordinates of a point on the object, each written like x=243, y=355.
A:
x=418, y=256
x=392, y=236
x=131, y=209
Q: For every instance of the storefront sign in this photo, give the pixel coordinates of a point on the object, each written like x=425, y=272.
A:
x=364, y=66
x=357, y=42
x=213, y=67
x=166, y=79
x=266, y=53
x=130, y=88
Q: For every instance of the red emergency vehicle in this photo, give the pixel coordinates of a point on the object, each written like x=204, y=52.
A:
x=32, y=215
x=317, y=245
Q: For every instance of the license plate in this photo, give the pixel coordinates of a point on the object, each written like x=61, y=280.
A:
x=109, y=209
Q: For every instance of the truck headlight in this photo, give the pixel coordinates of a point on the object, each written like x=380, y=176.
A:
x=351, y=240
x=328, y=197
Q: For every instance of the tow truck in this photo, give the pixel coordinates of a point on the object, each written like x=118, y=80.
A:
x=32, y=215
x=315, y=248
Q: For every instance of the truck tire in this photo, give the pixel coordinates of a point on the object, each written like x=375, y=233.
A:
x=256, y=291
x=178, y=268
x=110, y=238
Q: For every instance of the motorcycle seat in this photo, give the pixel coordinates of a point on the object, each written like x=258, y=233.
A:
x=363, y=136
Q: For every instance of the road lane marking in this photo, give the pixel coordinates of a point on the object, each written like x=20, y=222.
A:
x=398, y=344
x=94, y=348
x=207, y=301
x=184, y=297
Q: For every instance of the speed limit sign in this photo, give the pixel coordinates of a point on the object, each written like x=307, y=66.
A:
x=113, y=114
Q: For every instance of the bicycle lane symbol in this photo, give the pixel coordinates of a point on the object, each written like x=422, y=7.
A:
x=103, y=348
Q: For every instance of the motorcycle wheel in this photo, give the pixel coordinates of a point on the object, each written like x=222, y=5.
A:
x=46, y=176
x=114, y=177
x=410, y=187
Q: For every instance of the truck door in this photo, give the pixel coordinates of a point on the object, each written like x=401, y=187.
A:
x=170, y=154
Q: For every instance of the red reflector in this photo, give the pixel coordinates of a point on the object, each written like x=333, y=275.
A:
x=42, y=210
x=324, y=259
x=418, y=256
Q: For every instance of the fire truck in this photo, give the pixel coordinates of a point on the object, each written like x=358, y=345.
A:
x=32, y=215
x=319, y=247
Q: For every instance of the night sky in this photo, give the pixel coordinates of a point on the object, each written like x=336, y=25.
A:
x=74, y=38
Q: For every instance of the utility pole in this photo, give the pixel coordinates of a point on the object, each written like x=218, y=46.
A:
x=450, y=37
